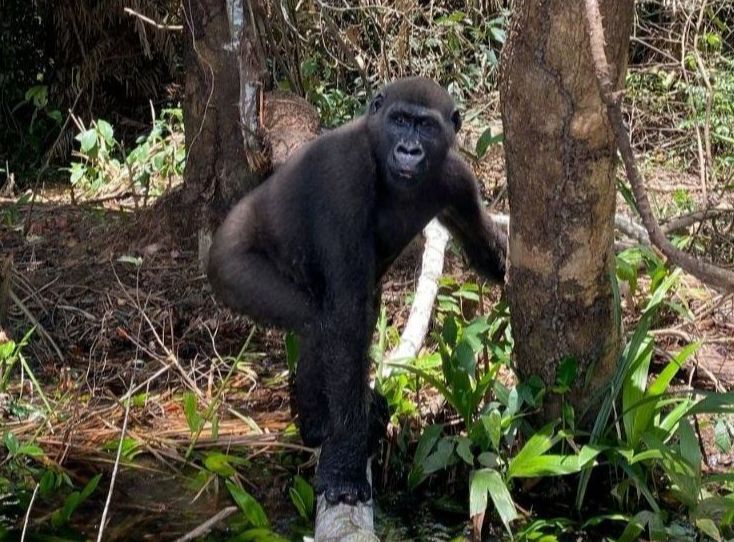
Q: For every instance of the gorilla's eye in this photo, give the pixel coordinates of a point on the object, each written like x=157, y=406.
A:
x=428, y=127
x=401, y=119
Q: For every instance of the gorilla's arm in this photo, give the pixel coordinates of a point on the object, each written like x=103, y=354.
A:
x=483, y=241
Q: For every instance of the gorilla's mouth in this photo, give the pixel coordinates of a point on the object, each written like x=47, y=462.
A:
x=401, y=173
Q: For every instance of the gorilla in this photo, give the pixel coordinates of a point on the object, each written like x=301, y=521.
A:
x=306, y=251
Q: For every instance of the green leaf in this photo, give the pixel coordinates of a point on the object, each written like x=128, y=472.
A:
x=78, y=171
x=722, y=436
x=55, y=116
x=427, y=441
x=426, y=444
x=542, y=441
x=498, y=34
x=493, y=424
x=89, y=488
x=708, y=527
x=465, y=359
x=689, y=446
x=249, y=505
x=441, y=458
x=489, y=459
x=29, y=449
x=489, y=481
x=566, y=375
x=298, y=503
x=714, y=403
x=660, y=384
x=219, y=463
x=713, y=40
x=633, y=392
x=129, y=446
x=193, y=418
x=303, y=498
x=88, y=140
x=486, y=140
x=532, y=461
x=106, y=130
x=11, y=442
x=6, y=350
x=475, y=333
x=452, y=19
x=463, y=450
x=449, y=331
x=47, y=484
x=38, y=94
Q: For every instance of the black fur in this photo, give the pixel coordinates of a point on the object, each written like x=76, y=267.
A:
x=306, y=251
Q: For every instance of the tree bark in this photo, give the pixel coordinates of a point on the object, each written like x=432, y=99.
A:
x=561, y=163
x=222, y=69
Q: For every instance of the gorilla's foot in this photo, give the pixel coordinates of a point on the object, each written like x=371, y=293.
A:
x=341, y=475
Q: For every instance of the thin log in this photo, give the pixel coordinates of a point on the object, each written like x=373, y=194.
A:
x=712, y=275
x=416, y=328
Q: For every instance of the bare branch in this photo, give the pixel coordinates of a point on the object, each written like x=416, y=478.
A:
x=151, y=22
x=710, y=274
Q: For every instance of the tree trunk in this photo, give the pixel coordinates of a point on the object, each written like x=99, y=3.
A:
x=220, y=111
x=561, y=164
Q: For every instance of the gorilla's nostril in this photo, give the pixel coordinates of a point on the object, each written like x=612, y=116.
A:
x=414, y=151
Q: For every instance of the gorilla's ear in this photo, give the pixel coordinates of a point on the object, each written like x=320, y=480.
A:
x=376, y=103
x=456, y=120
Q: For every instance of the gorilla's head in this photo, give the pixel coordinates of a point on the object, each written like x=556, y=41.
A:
x=412, y=124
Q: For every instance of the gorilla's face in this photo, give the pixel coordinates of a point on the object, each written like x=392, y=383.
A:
x=412, y=136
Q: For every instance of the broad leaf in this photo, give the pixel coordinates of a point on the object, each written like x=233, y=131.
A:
x=489, y=481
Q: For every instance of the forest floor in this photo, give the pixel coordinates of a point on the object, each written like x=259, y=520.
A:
x=114, y=319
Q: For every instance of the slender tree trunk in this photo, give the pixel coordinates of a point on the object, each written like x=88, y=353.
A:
x=220, y=110
x=561, y=164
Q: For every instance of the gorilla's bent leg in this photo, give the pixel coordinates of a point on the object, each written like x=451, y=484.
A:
x=311, y=401
x=249, y=283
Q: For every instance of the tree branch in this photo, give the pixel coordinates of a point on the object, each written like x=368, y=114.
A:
x=416, y=328
x=710, y=274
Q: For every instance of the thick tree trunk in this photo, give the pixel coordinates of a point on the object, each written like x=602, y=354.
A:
x=561, y=164
x=222, y=148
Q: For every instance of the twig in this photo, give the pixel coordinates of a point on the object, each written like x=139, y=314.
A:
x=41, y=330
x=159, y=26
x=709, y=95
x=103, y=521
x=710, y=274
x=683, y=221
x=205, y=527
x=28, y=512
